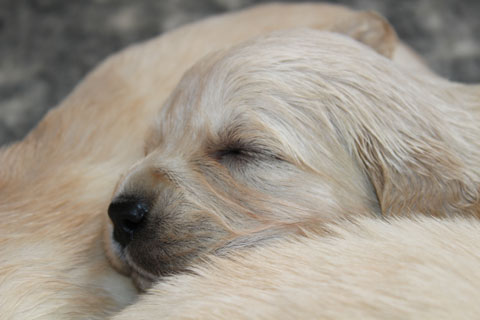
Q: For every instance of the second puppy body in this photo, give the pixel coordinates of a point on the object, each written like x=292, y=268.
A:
x=423, y=268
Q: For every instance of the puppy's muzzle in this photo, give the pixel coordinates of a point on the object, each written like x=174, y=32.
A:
x=127, y=215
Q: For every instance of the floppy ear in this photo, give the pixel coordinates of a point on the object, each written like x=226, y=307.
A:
x=371, y=29
x=418, y=166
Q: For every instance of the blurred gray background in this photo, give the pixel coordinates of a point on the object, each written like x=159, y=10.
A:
x=47, y=46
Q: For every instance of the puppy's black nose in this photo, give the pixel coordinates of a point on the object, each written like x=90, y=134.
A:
x=126, y=215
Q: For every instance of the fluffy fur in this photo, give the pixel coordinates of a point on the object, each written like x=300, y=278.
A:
x=371, y=269
x=56, y=184
x=287, y=132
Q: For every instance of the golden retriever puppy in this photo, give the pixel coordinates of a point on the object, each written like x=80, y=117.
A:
x=57, y=183
x=282, y=134
x=371, y=269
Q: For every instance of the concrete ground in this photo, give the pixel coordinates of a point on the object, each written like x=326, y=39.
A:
x=47, y=46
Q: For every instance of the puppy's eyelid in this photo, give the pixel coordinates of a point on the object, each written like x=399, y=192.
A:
x=246, y=152
x=228, y=152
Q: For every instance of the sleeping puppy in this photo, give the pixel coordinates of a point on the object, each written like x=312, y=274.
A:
x=283, y=134
x=57, y=183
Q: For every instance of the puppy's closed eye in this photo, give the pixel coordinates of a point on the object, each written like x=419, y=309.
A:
x=241, y=153
x=237, y=153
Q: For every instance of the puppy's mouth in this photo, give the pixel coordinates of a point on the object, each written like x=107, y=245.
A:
x=115, y=253
x=122, y=262
x=140, y=282
x=142, y=279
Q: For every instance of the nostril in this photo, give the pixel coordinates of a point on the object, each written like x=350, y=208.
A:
x=126, y=215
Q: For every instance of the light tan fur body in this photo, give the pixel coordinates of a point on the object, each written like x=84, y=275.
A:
x=371, y=269
x=56, y=184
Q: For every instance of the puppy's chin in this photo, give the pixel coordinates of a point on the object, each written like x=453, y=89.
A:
x=141, y=283
x=114, y=252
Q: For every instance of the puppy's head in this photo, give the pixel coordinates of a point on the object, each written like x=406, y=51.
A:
x=274, y=136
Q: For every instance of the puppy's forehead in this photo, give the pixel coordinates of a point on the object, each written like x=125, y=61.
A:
x=206, y=102
x=239, y=85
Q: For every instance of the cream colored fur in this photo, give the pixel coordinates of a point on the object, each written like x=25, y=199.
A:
x=424, y=268
x=285, y=133
x=56, y=184
x=332, y=115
